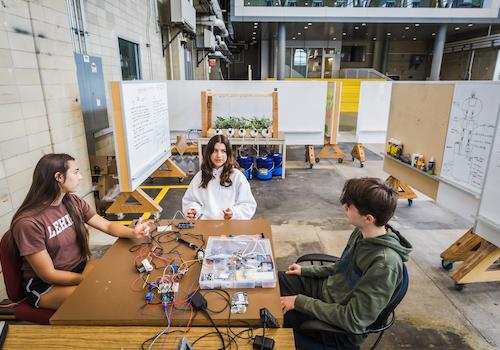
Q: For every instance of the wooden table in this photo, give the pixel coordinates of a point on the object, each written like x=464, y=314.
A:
x=106, y=297
x=124, y=337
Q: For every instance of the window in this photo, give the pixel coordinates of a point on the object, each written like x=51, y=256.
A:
x=299, y=63
x=129, y=60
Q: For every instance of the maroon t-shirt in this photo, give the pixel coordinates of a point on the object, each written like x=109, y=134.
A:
x=52, y=230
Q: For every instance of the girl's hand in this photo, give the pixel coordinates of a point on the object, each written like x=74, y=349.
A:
x=142, y=228
x=191, y=213
x=228, y=214
x=294, y=269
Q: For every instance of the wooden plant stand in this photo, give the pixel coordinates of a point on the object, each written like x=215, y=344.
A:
x=143, y=204
x=358, y=153
x=480, y=260
x=404, y=191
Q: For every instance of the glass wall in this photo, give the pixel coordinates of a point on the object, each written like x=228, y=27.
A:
x=368, y=3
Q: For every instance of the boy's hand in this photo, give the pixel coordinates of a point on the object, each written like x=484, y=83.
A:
x=294, y=269
x=287, y=303
x=228, y=214
x=191, y=213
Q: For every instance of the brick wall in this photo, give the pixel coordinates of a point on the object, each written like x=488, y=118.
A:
x=39, y=108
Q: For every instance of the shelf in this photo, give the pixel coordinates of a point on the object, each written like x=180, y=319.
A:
x=434, y=177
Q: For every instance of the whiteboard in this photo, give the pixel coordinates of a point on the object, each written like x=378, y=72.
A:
x=373, y=111
x=488, y=219
x=146, y=132
x=471, y=127
x=301, y=105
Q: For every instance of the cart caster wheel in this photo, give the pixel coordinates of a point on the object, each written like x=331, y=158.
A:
x=340, y=160
x=156, y=216
x=361, y=165
x=459, y=287
x=180, y=179
x=120, y=216
x=317, y=159
x=410, y=202
x=448, y=266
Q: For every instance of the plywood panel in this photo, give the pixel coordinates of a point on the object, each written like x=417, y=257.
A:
x=419, y=117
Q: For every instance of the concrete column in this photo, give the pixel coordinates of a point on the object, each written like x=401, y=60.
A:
x=281, y=50
x=496, y=74
x=264, y=59
x=437, y=56
x=378, y=48
x=385, y=56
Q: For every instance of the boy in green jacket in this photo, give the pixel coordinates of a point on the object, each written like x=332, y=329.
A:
x=352, y=292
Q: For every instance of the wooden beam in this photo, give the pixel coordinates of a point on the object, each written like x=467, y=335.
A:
x=204, y=124
x=144, y=203
x=275, y=113
x=172, y=170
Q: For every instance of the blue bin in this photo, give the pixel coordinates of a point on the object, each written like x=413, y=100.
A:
x=246, y=163
x=265, y=167
x=278, y=164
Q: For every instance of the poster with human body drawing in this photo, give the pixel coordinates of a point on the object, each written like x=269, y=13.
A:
x=471, y=128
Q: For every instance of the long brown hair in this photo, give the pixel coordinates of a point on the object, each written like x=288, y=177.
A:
x=207, y=167
x=44, y=191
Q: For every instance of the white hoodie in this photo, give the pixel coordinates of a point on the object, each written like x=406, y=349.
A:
x=211, y=201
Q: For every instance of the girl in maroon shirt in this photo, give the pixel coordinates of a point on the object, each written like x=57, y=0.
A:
x=50, y=234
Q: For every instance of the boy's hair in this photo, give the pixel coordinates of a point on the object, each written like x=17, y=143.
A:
x=370, y=196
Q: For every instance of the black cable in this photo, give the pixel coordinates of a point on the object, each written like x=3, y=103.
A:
x=263, y=336
x=216, y=328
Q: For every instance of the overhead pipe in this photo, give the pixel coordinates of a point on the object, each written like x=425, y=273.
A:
x=214, y=22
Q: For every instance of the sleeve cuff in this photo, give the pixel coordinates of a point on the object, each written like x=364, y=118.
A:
x=307, y=271
x=300, y=303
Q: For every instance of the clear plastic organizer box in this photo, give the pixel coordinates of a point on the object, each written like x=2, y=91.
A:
x=238, y=262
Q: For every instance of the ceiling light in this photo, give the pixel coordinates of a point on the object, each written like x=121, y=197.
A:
x=433, y=34
x=407, y=28
x=374, y=38
x=363, y=24
x=389, y=33
x=344, y=33
x=457, y=28
x=403, y=37
x=253, y=37
x=414, y=39
x=309, y=24
x=417, y=24
x=255, y=23
x=306, y=27
x=470, y=25
x=299, y=33
x=254, y=33
x=334, y=38
x=293, y=38
x=356, y=27
x=306, y=4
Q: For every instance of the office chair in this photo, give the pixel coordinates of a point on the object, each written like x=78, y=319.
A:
x=381, y=324
x=13, y=277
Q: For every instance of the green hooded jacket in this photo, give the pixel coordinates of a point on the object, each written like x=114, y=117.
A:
x=360, y=284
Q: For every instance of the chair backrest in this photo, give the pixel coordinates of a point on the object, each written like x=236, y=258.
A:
x=11, y=269
x=393, y=303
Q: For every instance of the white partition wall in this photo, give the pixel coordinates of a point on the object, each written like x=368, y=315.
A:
x=373, y=112
x=301, y=105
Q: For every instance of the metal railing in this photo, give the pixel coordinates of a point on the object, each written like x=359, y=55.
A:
x=369, y=3
x=362, y=73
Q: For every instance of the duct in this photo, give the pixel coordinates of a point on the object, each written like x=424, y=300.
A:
x=213, y=21
x=222, y=45
x=216, y=8
x=218, y=54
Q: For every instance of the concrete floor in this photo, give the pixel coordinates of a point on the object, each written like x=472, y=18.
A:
x=307, y=217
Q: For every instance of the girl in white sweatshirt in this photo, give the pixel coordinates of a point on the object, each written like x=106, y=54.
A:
x=219, y=191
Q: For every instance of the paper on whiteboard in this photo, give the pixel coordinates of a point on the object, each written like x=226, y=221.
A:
x=470, y=134
x=147, y=124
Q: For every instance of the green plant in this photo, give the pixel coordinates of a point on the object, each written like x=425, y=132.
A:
x=260, y=124
x=242, y=123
